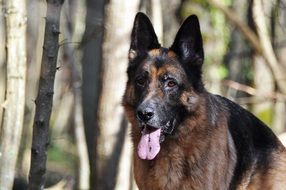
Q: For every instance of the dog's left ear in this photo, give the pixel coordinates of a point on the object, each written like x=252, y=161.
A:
x=188, y=44
x=143, y=36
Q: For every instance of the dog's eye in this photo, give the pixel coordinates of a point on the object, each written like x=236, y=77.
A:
x=171, y=83
x=140, y=81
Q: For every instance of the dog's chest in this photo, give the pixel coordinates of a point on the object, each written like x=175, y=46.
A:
x=167, y=172
x=155, y=175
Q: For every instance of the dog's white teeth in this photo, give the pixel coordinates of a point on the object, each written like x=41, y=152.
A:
x=143, y=129
x=168, y=123
x=162, y=138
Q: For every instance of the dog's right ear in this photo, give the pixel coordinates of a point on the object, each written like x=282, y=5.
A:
x=143, y=36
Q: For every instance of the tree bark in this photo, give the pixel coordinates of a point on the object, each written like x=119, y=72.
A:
x=2, y=60
x=44, y=98
x=35, y=35
x=83, y=175
x=112, y=127
x=16, y=22
x=278, y=25
x=91, y=63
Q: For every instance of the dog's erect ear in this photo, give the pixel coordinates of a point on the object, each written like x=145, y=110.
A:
x=188, y=44
x=143, y=37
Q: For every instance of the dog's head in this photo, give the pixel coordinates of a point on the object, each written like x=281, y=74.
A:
x=164, y=84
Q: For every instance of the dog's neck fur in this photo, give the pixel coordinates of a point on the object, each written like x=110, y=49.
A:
x=188, y=156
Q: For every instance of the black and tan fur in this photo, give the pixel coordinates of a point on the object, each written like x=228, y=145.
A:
x=208, y=142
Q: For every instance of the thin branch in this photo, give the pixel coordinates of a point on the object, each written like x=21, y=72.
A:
x=252, y=91
x=44, y=100
x=240, y=87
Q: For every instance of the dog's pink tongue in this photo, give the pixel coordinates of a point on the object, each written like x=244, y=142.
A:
x=149, y=145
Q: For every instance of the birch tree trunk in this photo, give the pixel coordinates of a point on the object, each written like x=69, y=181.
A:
x=44, y=100
x=16, y=22
x=113, y=152
x=2, y=60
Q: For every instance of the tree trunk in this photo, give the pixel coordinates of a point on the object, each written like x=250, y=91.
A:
x=44, y=99
x=2, y=60
x=112, y=127
x=278, y=33
x=16, y=22
x=35, y=34
x=91, y=63
x=83, y=173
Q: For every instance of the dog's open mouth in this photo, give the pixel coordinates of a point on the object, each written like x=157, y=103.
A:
x=149, y=144
x=151, y=137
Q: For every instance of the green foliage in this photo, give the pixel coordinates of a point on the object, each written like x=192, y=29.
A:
x=58, y=155
x=266, y=116
x=223, y=72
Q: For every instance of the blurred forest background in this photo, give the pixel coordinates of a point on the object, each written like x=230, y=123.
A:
x=89, y=146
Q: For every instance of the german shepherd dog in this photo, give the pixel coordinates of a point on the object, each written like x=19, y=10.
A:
x=185, y=137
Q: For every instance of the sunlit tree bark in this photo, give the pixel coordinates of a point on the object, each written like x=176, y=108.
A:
x=2, y=59
x=16, y=21
x=113, y=160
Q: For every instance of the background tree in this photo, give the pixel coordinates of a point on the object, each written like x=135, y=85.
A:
x=91, y=47
x=72, y=62
x=2, y=58
x=11, y=131
x=44, y=100
x=111, y=167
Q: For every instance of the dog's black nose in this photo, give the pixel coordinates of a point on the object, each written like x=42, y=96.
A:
x=145, y=114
